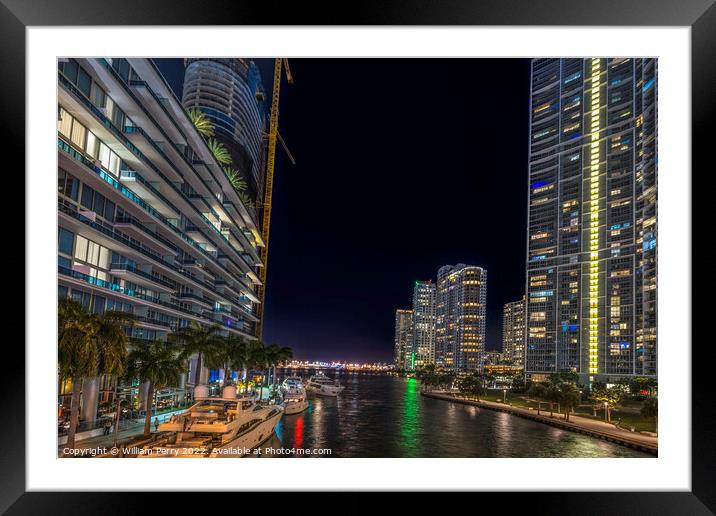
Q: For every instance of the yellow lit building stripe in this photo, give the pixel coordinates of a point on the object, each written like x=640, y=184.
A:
x=594, y=220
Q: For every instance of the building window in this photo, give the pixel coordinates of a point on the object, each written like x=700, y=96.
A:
x=84, y=82
x=65, y=239
x=67, y=185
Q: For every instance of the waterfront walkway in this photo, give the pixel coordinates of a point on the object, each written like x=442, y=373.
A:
x=134, y=429
x=583, y=425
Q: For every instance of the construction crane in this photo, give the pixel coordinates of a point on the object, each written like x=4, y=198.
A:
x=273, y=136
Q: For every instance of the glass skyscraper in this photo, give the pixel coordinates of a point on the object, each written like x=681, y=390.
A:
x=513, y=332
x=592, y=228
x=423, y=347
x=403, y=351
x=230, y=92
x=461, y=317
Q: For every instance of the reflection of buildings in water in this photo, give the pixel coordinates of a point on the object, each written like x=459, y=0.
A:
x=503, y=434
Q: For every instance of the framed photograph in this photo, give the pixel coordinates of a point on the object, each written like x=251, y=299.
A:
x=479, y=225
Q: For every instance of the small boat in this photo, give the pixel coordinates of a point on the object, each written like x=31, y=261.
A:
x=322, y=384
x=224, y=426
x=294, y=395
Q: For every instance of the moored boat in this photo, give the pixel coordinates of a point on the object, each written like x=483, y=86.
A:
x=224, y=426
x=323, y=385
x=294, y=395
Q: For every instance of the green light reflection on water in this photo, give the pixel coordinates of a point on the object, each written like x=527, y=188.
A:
x=410, y=442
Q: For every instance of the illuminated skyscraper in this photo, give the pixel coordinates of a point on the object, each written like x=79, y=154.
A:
x=147, y=223
x=403, y=356
x=231, y=95
x=513, y=332
x=423, y=323
x=461, y=316
x=591, y=260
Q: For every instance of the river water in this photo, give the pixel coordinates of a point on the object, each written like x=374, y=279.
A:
x=379, y=415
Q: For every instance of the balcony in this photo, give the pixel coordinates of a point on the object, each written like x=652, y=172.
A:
x=131, y=273
x=149, y=192
x=138, y=230
x=154, y=324
x=108, y=179
x=133, y=295
x=195, y=298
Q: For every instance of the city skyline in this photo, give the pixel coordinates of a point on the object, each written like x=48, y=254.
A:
x=163, y=243
x=483, y=185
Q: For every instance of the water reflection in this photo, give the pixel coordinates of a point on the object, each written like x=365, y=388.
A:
x=384, y=416
x=410, y=423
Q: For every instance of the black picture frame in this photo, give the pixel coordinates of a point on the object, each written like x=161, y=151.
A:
x=700, y=15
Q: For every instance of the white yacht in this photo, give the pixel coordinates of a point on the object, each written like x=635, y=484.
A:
x=224, y=426
x=294, y=395
x=322, y=384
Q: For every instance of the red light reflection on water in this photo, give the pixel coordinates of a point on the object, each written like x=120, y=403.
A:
x=298, y=433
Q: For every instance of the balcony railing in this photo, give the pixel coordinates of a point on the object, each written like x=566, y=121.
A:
x=138, y=272
x=72, y=152
x=135, y=223
x=107, y=230
x=125, y=141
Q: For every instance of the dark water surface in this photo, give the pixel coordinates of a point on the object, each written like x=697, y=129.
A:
x=385, y=416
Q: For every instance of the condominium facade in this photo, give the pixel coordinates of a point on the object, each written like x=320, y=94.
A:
x=147, y=221
x=513, y=332
x=232, y=96
x=423, y=348
x=592, y=228
x=461, y=302
x=403, y=357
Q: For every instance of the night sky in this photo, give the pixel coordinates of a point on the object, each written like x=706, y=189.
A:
x=403, y=166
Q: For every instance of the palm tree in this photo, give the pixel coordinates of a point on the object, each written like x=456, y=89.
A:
x=538, y=391
x=158, y=364
x=262, y=362
x=236, y=179
x=202, y=124
x=246, y=200
x=552, y=396
x=202, y=341
x=88, y=345
x=77, y=354
x=275, y=356
x=250, y=356
x=472, y=385
x=569, y=397
x=221, y=153
x=232, y=355
x=284, y=355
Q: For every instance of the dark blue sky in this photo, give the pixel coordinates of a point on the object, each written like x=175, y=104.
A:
x=403, y=165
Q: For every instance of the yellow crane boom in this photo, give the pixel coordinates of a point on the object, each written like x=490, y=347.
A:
x=273, y=136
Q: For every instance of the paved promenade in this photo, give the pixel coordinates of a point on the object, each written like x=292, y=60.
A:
x=134, y=428
x=595, y=428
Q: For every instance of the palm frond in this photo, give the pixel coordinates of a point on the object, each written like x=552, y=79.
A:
x=246, y=200
x=221, y=153
x=202, y=124
x=236, y=179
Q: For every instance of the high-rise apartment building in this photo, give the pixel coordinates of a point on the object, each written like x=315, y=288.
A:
x=148, y=222
x=461, y=317
x=423, y=347
x=513, y=332
x=231, y=95
x=592, y=229
x=403, y=355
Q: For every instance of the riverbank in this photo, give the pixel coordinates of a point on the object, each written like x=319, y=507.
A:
x=582, y=425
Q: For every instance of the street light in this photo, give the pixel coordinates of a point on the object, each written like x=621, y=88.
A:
x=504, y=395
x=605, y=411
